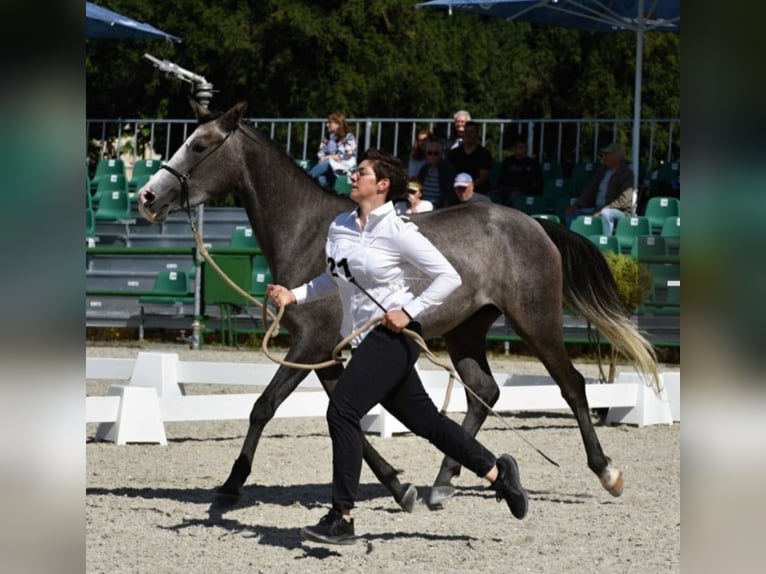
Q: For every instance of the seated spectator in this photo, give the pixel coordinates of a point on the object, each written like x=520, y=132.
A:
x=418, y=155
x=460, y=117
x=520, y=174
x=464, y=191
x=337, y=152
x=413, y=201
x=436, y=176
x=473, y=158
x=609, y=194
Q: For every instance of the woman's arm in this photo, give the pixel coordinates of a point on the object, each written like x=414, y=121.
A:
x=420, y=252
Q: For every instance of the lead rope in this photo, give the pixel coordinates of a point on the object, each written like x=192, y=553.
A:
x=273, y=331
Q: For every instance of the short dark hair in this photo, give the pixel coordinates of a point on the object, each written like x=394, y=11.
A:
x=472, y=123
x=390, y=167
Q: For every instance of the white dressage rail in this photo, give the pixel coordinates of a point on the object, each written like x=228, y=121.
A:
x=155, y=394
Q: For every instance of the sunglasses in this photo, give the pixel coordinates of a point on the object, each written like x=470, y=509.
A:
x=433, y=153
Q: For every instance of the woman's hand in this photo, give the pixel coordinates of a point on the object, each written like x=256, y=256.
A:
x=395, y=320
x=282, y=296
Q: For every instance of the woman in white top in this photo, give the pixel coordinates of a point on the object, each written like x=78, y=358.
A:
x=368, y=253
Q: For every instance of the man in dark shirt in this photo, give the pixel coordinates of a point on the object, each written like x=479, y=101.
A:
x=472, y=158
x=520, y=174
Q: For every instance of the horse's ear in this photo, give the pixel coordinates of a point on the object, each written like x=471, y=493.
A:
x=231, y=118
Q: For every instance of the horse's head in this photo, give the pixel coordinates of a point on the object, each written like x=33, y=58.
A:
x=188, y=179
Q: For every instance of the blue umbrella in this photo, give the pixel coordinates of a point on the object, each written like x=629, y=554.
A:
x=639, y=16
x=103, y=23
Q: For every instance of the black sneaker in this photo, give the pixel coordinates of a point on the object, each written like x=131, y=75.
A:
x=508, y=486
x=331, y=529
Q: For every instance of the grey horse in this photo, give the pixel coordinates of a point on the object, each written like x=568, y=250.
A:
x=509, y=262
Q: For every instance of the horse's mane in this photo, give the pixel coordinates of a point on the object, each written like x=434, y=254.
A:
x=262, y=138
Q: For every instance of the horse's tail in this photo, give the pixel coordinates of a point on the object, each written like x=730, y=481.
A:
x=590, y=289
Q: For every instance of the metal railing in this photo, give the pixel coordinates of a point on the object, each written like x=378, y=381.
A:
x=565, y=141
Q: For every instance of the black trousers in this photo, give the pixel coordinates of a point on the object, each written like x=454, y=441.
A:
x=381, y=370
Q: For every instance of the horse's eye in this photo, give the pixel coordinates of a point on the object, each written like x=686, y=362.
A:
x=198, y=148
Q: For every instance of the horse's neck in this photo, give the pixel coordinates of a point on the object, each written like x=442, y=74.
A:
x=290, y=215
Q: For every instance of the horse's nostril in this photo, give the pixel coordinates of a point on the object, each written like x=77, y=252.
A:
x=147, y=196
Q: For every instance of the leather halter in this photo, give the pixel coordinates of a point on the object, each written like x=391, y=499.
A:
x=183, y=178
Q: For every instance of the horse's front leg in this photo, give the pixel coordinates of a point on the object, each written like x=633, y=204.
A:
x=284, y=382
x=279, y=388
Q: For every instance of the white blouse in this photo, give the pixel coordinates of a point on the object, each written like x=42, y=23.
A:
x=380, y=258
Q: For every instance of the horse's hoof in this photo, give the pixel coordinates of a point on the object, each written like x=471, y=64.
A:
x=409, y=498
x=439, y=494
x=612, y=480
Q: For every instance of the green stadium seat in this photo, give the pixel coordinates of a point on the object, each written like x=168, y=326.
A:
x=671, y=231
x=305, y=164
x=628, y=228
x=243, y=237
x=114, y=205
x=170, y=286
x=658, y=209
x=667, y=172
x=581, y=174
x=109, y=183
x=342, y=185
x=530, y=204
x=104, y=168
x=605, y=243
x=556, y=188
x=588, y=225
x=552, y=170
x=665, y=301
x=261, y=277
x=90, y=227
x=647, y=247
x=141, y=169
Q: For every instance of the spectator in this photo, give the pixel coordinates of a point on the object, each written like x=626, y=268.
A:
x=464, y=191
x=436, y=176
x=473, y=158
x=460, y=117
x=609, y=194
x=520, y=174
x=418, y=156
x=337, y=152
x=413, y=201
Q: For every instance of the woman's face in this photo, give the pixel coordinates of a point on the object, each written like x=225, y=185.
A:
x=364, y=184
x=332, y=126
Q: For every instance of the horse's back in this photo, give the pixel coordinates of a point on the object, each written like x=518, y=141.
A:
x=485, y=231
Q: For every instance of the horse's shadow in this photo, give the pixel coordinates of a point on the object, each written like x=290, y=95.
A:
x=310, y=496
x=306, y=495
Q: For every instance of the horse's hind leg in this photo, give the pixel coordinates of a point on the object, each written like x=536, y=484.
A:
x=466, y=347
x=547, y=343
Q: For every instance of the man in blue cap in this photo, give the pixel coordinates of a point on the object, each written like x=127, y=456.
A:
x=464, y=192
